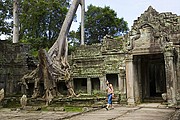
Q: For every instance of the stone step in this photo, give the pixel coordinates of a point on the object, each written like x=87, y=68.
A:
x=153, y=100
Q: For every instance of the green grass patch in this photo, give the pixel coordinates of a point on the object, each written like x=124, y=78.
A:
x=73, y=109
x=44, y=109
x=12, y=104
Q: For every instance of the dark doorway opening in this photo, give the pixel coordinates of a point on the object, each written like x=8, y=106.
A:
x=62, y=89
x=157, y=79
x=95, y=83
x=30, y=90
x=113, y=79
x=80, y=85
x=151, y=76
x=41, y=89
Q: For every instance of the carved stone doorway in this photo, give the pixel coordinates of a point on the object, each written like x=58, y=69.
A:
x=80, y=85
x=95, y=82
x=62, y=88
x=150, y=77
x=113, y=79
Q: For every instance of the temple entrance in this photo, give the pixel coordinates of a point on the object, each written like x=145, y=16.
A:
x=80, y=85
x=150, y=72
x=95, y=82
x=62, y=89
x=113, y=78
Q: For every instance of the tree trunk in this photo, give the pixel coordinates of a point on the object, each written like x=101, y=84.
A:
x=15, y=22
x=82, y=21
x=53, y=65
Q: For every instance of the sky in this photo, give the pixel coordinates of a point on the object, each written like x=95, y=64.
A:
x=131, y=9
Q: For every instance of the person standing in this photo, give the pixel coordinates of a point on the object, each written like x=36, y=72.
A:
x=110, y=93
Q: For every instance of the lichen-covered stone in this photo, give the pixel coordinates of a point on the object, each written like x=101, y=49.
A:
x=13, y=65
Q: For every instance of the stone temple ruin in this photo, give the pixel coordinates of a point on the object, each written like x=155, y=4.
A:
x=141, y=65
x=152, y=63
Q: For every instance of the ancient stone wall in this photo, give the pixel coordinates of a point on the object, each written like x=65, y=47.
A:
x=155, y=33
x=152, y=34
x=87, y=61
x=13, y=65
x=98, y=59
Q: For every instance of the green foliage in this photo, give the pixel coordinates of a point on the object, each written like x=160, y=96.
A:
x=102, y=21
x=98, y=93
x=73, y=109
x=5, y=16
x=11, y=103
x=41, y=21
x=73, y=39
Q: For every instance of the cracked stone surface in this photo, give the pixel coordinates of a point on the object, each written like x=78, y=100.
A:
x=141, y=112
x=124, y=113
x=6, y=114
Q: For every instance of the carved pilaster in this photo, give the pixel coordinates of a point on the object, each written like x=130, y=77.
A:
x=122, y=80
x=89, y=88
x=130, y=80
x=102, y=83
x=136, y=81
x=171, y=79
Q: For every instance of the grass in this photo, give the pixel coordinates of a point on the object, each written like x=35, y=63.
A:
x=12, y=104
x=67, y=109
x=73, y=109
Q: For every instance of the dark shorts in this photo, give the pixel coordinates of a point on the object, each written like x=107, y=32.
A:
x=109, y=98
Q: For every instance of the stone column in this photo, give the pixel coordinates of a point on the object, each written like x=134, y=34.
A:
x=122, y=82
x=122, y=85
x=102, y=83
x=130, y=80
x=171, y=79
x=136, y=81
x=139, y=78
x=89, y=86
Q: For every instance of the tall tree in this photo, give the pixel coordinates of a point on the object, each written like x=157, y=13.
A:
x=15, y=21
x=53, y=65
x=101, y=21
x=41, y=21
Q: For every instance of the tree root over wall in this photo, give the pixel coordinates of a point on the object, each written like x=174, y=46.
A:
x=53, y=65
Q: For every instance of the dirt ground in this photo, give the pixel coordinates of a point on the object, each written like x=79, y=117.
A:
x=141, y=112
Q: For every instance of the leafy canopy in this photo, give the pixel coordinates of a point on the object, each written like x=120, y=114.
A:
x=102, y=21
x=41, y=21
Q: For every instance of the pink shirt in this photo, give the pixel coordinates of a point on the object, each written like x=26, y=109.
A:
x=110, y=90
